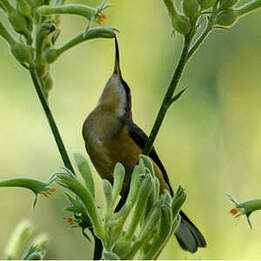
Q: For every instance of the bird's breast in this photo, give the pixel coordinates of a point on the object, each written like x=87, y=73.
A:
x=107, y=142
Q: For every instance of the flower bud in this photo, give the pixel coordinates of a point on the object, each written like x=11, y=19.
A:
x=48, y=83
x=22, y=52
x=118, y=178
x=109, y=255
x=24, y=9
x=206, y=4
x=22, y=233
x=85, y=171
x=147, y=163
x=181, y=24
x=226, y=18
x=227, y=3
x=19, y=24
x=178, y=200
x=107, y=189
x=191, y=8
x=42, y=70
x=121, y=246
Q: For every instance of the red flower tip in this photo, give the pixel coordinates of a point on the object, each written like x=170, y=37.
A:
x=233, y=211
x=72, y=222
x=47, y=193
x=101, y=18
x=69, y=220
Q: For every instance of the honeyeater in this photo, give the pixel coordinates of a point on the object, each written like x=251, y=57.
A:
x=111, y=136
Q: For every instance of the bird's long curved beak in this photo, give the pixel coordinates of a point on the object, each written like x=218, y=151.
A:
x=117, y=69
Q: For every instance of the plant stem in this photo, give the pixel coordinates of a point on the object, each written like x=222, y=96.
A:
x=74, y=9
x=103, y=32
x=198, y=42
x=248, y=7
x=66, y=160
x=48, y=113
x=168, y=96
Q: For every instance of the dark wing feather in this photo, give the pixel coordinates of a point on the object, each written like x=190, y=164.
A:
x=140, y=139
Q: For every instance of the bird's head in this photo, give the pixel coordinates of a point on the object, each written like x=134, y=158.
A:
x=116, y=95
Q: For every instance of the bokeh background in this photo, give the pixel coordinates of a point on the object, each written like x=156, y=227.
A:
x=210, y=141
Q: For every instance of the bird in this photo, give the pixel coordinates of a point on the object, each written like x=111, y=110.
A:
x=111, y=136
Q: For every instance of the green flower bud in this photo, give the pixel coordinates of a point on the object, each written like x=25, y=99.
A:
x=109, y=255
x=178, y=201
x=227, y=3
x=48, y=84
x=181, y=24
x=19, y=24
x=42, y=70
x=24, y=9
x=135, y=183
x=41, y=242
x=121, y=246
x=226, y=18
x=22, y=233
x=147, y=163
x=22, y=52
x=107, y=189
x=206, y=4
x=35, y=256
x=143, y=195
x=84, y=169
x=118, y=178
x=191, y=8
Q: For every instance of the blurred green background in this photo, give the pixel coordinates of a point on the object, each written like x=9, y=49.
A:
x=210, y=141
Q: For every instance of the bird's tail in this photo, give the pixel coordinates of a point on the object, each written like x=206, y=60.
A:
x=188, y=235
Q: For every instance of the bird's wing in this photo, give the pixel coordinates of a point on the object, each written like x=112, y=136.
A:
x=140, y=139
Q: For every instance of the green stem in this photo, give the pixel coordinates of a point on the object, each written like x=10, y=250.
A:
x=75, y=9
x=96, y=32
x=249, y=7
x=61, y=147
x=48, y=113
x=168, y=96
x=199, y=41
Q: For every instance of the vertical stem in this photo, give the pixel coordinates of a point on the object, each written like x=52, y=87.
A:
x=48, y=113
x=66, y=160
x=168, y=96
x=97, y=254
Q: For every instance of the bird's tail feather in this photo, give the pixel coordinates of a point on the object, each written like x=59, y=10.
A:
x=188, y=235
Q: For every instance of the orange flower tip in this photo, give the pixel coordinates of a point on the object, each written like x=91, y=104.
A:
x=74, y=226
x=52, y=190
x=69, y=220
x=45, y=194
x=233, y=211
x=103, y=16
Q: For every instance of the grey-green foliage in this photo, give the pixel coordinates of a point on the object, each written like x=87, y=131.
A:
x=37, y=26
x=220, y=13
x=153, y=216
